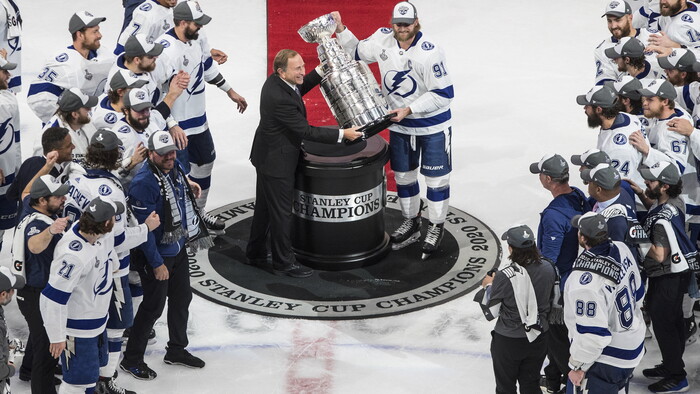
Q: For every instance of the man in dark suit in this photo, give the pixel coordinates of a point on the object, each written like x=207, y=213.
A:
x=275, y=154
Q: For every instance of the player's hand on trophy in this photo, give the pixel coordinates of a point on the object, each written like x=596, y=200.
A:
x=351, y=134
x=339, y=27
x=152, y=221
x=400, y=113
x=219, y=56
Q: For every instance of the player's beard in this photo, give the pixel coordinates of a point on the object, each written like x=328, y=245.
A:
x=147, y=69
x=136, y=123
x=191, y=34
x=410, y=36
x=654, y=193
x=91, y=46
x=594, y=121
x=676, y=79
x=82, y=119
x=670, y=10
x=621, y=32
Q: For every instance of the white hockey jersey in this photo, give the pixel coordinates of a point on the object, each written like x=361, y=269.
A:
x=683, y=151
x=193, y=57
x=646, y=15
x=417, y=78
x=603, y=312
x=88, y=185
x=10, y=152
x=684, y=27
x=151, y=87
x=75, y=302
x=151, y=19
x=606, y=68
x=63, y=71
x=11, y=40
x=615, y=142
x=80, y=138
x=103, y=115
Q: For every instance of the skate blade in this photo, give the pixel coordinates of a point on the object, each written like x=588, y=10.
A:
x=412, y=239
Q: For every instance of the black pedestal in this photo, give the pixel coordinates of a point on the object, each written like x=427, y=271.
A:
x=339, y=202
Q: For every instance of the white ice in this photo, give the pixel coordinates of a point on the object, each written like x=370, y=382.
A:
x=516, y=66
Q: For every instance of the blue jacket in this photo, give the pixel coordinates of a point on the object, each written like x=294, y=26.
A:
x=144, y=198
x=556, y=237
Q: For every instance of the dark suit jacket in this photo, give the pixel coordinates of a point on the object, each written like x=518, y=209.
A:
x=283, y=125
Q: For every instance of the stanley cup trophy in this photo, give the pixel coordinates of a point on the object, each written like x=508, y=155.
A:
x=349, y=87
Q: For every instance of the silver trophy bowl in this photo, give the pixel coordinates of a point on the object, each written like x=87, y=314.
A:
x=349, y=87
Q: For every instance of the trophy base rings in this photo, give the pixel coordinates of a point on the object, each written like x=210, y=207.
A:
x=372, y=128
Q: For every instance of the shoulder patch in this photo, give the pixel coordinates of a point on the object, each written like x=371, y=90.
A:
x=123, y=129
x=145, y=7
x=104, y=190
x=165, y=43
x=111, y=118
x=62, y=57
x=687, y=18
x=75, y=246
x=586, y=278
x=385, y=30
x=427, y=46
x=620, y=139
x=33, y=231
x=652, y=30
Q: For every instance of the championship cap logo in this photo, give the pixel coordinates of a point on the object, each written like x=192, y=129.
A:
x=403, y=10
x=93, y=208
x=525, y=234
x=88, y=14
x=100, y=137
x=614, y=4
x=163, y=138
x=140, y=95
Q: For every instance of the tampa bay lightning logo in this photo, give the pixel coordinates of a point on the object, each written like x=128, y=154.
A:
x=400, y=83
x=7, y=135
x=111, y=118
x=145, y=7
x=385, y=30
x=102, y=287
x=687, y=18
x=104, y=190
x=62, y=57
x=123, y=129
x=620, y=139
x=75, y=246
x=586, y=278
x=427, y=46
x=165, y=43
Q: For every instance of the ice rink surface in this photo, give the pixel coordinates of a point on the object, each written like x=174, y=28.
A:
x=516, y=68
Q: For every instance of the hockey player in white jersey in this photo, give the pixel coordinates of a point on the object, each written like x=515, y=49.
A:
x=602, y=310
x=103, y=156
x=11, y=40
x=74, y=114
x=615, y=130
x=185, y=49
x=647, y=15
x=109, y=109
x=679, y=24
x=418, y=86
x=9, y=145
x=630, y=57
x=682, y=72
x=75, y=301
x=152, y=18
x=619, y=17
x=81, y=65
x=628, y=98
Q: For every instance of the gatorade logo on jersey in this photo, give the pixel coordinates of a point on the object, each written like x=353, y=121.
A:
x=104, y=190
x=145, y=7
x=75, y=246
x=62, y=57
x=427, y=46
x=400, y=83
x=687, y=18
x=620, y=139
x=111, y=118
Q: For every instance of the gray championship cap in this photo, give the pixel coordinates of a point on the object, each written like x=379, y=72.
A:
x=161, y=142
x=628, y=86
x=83, y=19
x=600, y=96
x=617, y=8
x=519, y=236
x=592, y=225
x=404, y=12
x=590, y=158
x=626, y=47
x=551, y=164
x=190, y=11
x=679, y=59
x=137, y=99
x=105, y=140
x=73, y=99
x=102, y=209
x=659, y=87
x=8, y=280
x=603, y=175
x=663, y=171
x=138, y=45
x=125, y=79
x=46, y=185
x=5, y=65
